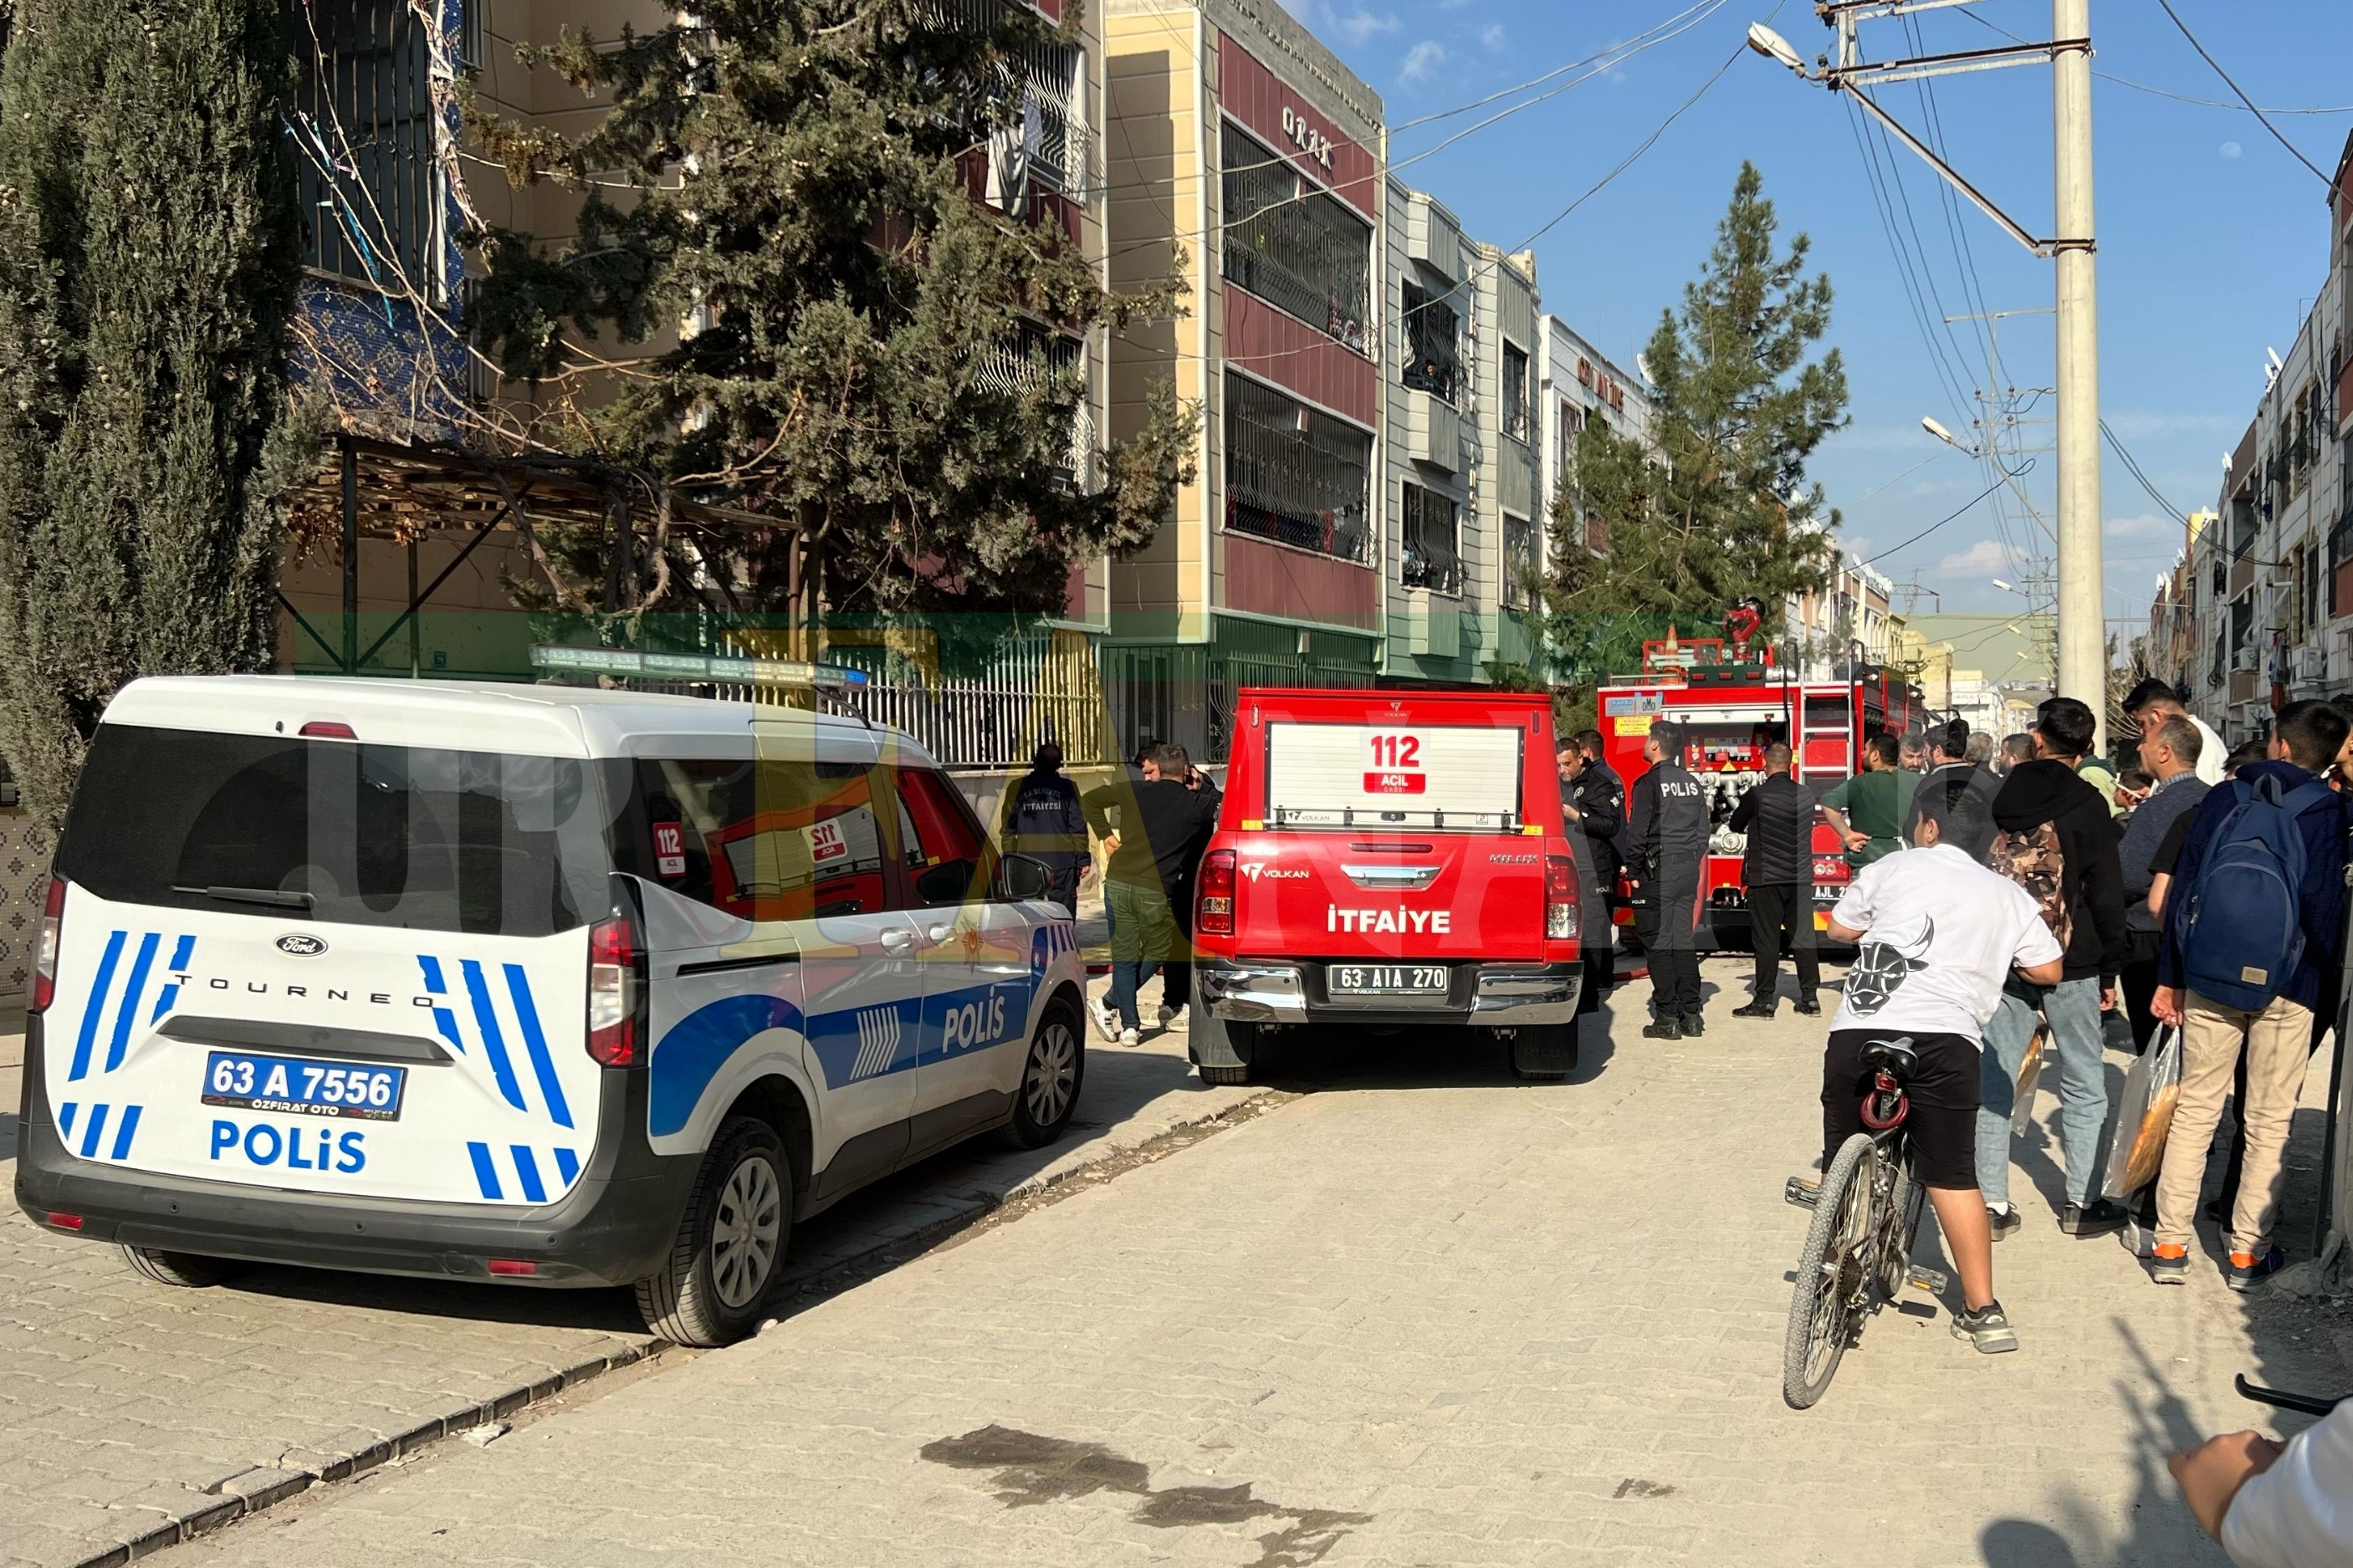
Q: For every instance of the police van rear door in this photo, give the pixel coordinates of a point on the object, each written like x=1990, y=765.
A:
x=318, y=959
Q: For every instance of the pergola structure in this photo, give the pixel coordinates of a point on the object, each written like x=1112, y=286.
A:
x=404, y=491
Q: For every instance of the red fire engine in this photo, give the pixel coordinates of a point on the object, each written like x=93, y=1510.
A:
x=1733, y=702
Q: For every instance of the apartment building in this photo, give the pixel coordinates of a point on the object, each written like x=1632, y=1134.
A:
x=1577, y=385
x=2263, y=608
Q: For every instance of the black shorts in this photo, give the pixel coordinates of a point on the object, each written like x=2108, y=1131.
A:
x=1942, y=1120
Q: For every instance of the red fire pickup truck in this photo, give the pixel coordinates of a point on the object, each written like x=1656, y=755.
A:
x=1390, y=859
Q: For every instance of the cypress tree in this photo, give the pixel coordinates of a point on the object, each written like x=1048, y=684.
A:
x=149, y=256
x=865, y=361
x=1723, y=509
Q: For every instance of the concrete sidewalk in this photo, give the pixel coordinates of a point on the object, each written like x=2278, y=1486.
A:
x=131, y=1412
x=1424, y=1315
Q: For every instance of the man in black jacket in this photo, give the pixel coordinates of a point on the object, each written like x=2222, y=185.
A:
x=2058, y=842
x=1594, y=803
x=1951, y=772
x=1667, y=843
x=1164, y=827
x=1778, y=867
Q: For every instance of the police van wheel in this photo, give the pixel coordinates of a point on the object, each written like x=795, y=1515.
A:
x=1051, y=1075
x=1544, y=1053
x=189, y=1270
x=730, y=1242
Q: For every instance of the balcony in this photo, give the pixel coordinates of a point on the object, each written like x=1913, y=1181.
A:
x=1432, y=237
x=1432, y=432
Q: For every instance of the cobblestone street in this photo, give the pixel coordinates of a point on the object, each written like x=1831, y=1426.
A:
x=1421, y=1314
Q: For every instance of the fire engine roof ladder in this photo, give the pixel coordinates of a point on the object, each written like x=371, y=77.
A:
x=1842, y=733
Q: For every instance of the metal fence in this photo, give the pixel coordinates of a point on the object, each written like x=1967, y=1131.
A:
x=1025, y=690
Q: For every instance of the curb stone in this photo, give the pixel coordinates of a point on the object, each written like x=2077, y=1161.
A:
x=184, y=1513
x=187, y=1512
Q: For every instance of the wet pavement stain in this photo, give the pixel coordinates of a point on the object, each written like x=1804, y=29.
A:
x=1033, y=1469
x=1635, y=1487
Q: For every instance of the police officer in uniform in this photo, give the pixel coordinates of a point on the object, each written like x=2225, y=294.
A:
x=1667, y=845
x=1594, y=803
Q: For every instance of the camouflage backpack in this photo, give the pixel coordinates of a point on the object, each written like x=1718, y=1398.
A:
x=2032, y=859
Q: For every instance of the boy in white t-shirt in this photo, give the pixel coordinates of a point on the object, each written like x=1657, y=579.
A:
x=1936, y=935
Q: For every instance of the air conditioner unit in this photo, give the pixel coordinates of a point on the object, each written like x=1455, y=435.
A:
x=2311, y=664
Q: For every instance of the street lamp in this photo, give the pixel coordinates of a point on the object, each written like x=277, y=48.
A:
x=1774, y=47
x=1946, y=436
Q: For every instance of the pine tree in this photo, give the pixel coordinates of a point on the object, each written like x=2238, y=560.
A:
x=149, y=256
x=1722, y=509
x=867, y=353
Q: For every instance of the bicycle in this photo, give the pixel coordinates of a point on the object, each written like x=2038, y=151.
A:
x=1858, y=1251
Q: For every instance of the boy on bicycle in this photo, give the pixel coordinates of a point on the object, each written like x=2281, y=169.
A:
x=1937, y=934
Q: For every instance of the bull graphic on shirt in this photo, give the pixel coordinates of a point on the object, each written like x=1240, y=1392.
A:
x=1887, y=958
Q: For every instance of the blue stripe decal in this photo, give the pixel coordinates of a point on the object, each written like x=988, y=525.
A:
x=432, y=971
x=486, y=1175
x=527, y=1172
x=94, y=1131
x=494, y=1044
x=93, y=1007
x=443, y=1018
x=534, y=1040
x=567, y=1165
x=182, y=951
x=128, y=1130
x=447, y=1022
x=66, y=1119
x=129, y=1013
x=690, y=1056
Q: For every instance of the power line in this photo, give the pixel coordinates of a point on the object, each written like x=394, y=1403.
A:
x=2133, y=468
x=2169, y=92
x=1883, y=554
x=2209, y=59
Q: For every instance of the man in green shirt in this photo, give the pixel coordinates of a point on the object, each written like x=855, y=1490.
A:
x=1869, y=809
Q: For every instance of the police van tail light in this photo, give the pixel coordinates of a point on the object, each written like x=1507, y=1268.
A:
x=1560, y=899
x=1214, y=916
x=613, y=993
x=44, y=946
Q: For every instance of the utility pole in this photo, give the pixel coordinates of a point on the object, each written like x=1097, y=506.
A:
x=2083, y=647
x=2082, y=642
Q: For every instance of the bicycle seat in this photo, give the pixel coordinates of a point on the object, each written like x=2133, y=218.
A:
x=1896, y=1056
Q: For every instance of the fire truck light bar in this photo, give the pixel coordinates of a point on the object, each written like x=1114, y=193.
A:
x=693, y=667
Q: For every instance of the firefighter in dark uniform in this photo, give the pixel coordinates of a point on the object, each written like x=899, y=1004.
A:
x=1594, y=802
x=1667, y=848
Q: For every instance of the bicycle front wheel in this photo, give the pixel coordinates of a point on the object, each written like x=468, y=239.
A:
x=1833, y=1276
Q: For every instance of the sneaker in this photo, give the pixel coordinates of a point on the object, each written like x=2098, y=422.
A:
x=1664, y=1029
x=1130, y=1037
x=1693, y=1025
x=2005, y=1222
x=2094, y=1218
x=1809, y=1007
x=1106, y=1022
x=2169, y=1265
x=2140, y=1239
x=1988, y=1328
x=1167, y=1015
x=2244, y=1269
x=1754, y=1010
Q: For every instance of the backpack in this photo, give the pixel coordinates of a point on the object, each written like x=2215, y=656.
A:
x=2032, y=858
x=2241, y=935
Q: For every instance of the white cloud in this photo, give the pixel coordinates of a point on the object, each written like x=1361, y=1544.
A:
x=1423, y=60
x=1492, y=35
x=1361, y=24
x=2146, y=525
x=2230, y=150
x=2135, y=425
x=1986, y=558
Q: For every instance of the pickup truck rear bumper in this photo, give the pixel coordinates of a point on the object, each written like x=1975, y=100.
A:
x=1280, y=991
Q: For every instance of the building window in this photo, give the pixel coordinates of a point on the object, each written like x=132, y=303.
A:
x=1294, y=475
x=1430, y=559
x=1433, y=337
x=1516, y=392
x=364, y=125
x=1291, y=245
x=1597, y=535
x=1572, y=420
x=1519, y=560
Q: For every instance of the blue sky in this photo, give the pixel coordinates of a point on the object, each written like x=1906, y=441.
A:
x=2212, y=238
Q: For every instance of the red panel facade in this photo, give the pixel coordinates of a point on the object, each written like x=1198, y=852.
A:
x=1273, y=346
x=1266, y=579
x=1282, y=119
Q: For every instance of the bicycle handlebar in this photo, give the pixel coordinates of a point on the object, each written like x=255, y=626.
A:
x=2308, y=1403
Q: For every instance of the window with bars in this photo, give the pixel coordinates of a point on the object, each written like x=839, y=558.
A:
x=1295, y=474
x=1519, y=560
x=1291, y=245
x=1433, y=338
x=1572, y=420
x=1432, y=557
x=363, y=122
x=1515, y=392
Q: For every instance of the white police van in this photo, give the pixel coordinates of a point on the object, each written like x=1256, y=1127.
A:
x=547, y=985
